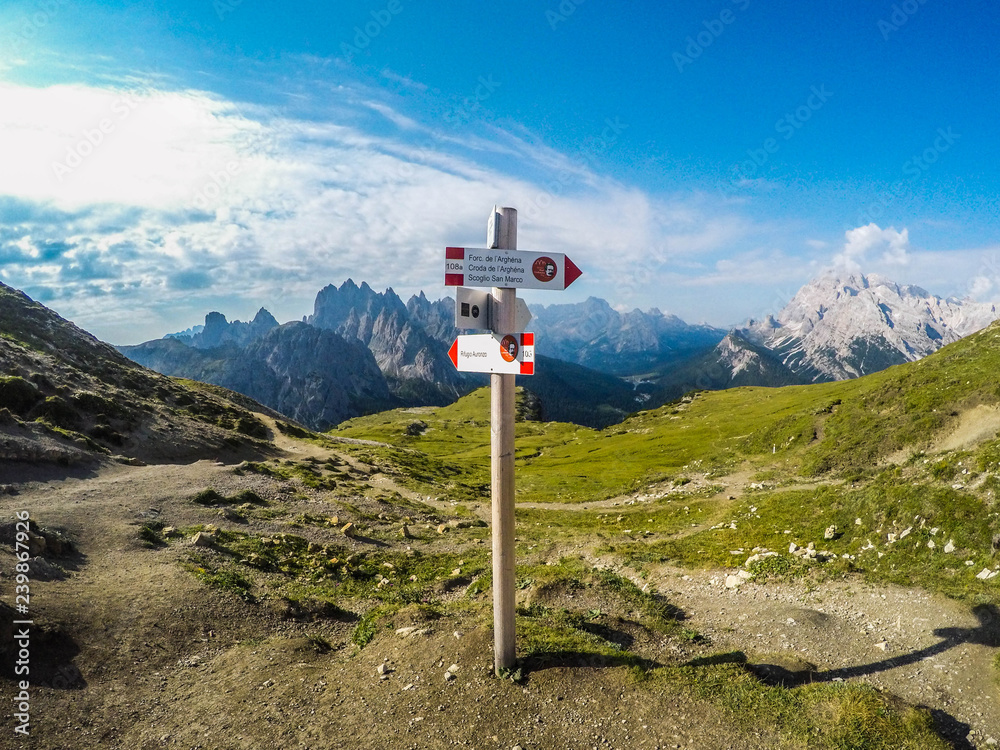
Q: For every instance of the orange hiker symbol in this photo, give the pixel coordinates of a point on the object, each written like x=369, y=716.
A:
x=508, y=348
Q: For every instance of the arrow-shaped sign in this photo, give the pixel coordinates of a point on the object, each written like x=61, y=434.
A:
x=512, y=269
x=522, y=316
x=513, y=354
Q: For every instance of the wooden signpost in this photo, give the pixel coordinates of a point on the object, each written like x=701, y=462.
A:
x=505, y=353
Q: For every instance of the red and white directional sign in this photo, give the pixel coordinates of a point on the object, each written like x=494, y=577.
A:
x=513, y=269
x=513, y=354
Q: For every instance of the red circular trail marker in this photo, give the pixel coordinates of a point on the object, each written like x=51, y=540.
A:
x=508, y=348
x=544, y=269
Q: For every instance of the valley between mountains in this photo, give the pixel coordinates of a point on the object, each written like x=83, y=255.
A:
x=810, y=566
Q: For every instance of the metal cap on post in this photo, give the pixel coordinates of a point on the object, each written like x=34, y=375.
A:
x=502, y=229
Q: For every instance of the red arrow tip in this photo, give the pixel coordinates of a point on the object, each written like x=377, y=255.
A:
x=572, y=272
x=453, y=353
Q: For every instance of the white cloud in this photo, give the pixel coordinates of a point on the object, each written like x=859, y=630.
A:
x=963, y=273
x=862, y=242
x=981, y=286
x=74, y=145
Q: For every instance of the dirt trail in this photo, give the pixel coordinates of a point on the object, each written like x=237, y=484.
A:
x=927, y=649
x=158, y=660
x=149, y=657
x=976, y=425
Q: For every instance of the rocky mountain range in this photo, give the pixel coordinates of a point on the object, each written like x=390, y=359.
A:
x=839, y=328
x=309, y=374
x=594, y=334
x=378, y=352
x=401, y=337
x=363, y=350
x=835, y=328
x=218, y=331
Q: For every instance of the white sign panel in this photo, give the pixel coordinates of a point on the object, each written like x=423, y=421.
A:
x=512, y=269
x=513, y=354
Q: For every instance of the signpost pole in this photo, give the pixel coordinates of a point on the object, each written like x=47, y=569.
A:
x=505, y=352
x=502, y=464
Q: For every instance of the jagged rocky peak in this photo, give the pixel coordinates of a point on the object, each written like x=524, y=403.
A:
x=263, y=318
x=213, y=333
x=767, y=324
x=334, y=305
x=875, y=301
x=843, y=326
x=437, y=318
x=218, y=331
x=401, y=337
x=738, y=355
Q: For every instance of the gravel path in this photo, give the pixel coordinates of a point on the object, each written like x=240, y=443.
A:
x=926, y=649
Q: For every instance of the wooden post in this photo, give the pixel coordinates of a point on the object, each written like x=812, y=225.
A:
x=502, y=467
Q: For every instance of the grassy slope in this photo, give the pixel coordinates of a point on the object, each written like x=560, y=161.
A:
x=833, y=438
x=58, y=381
x=842, y=429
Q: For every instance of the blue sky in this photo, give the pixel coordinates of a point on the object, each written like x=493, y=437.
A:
x=159, y=160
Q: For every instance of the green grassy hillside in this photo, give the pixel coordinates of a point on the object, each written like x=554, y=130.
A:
x=868, y=456
x=842, y=429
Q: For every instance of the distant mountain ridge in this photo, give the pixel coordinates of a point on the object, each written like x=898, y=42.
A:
x=839, y=328
x=378, y=352
x=311, y=375
x=594, y=334
x=218, y=331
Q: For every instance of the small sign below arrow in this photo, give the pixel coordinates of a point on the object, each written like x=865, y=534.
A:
x=513, y=354
x=474, y=311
